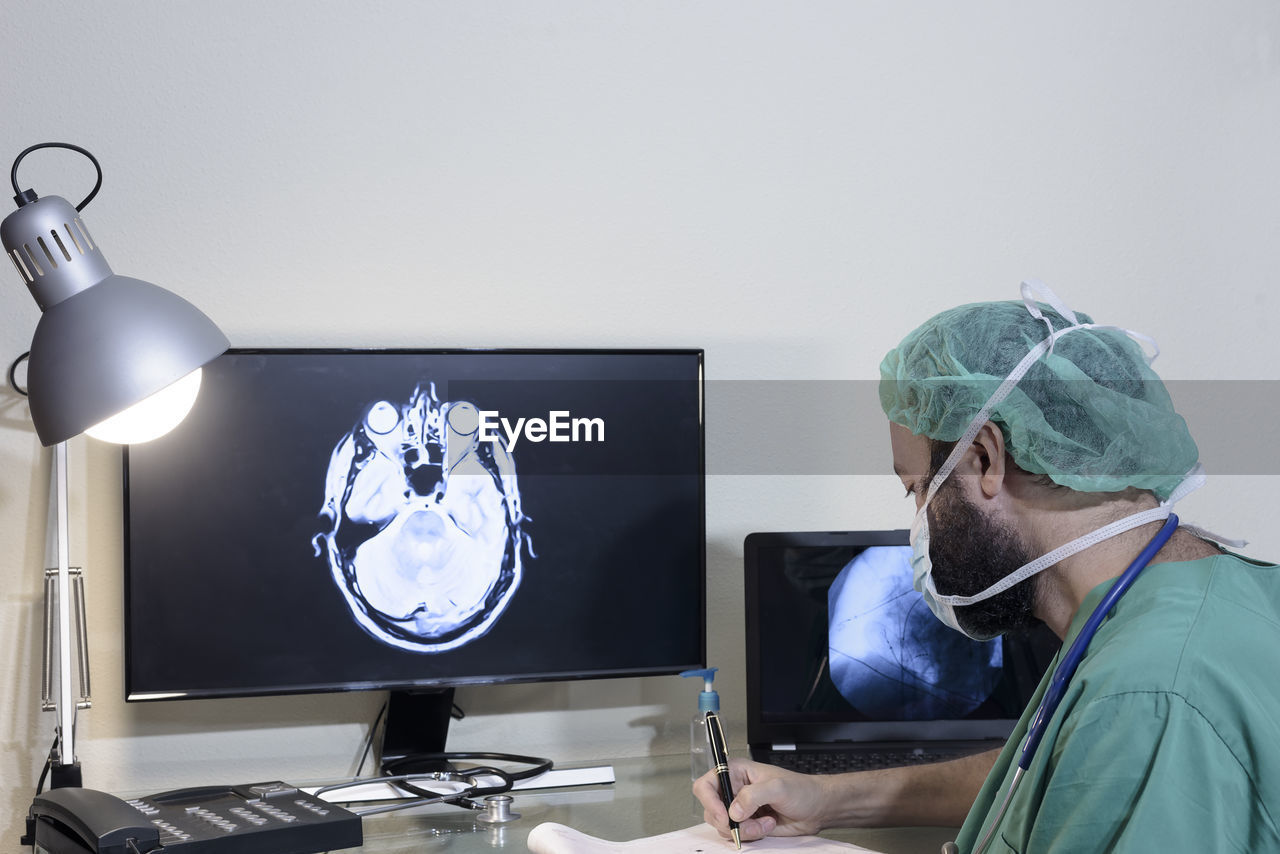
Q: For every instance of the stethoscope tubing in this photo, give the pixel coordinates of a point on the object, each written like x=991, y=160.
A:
x=1067, y=667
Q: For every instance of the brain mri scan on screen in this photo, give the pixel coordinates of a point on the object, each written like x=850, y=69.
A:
x=425, y=540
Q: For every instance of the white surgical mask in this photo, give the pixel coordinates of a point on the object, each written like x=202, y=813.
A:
x=943, y=607
x=922, y=573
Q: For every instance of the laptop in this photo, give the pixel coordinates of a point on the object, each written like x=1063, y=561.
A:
x=847, y=668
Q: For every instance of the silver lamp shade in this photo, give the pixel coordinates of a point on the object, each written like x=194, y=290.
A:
x=104, y=342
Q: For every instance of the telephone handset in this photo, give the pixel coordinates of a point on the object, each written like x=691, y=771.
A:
x=72, y=820
x=259, y=817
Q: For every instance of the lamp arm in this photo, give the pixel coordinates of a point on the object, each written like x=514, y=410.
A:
x=84, y=700
x=60, y=594
x=47, y=702
x=81, y=631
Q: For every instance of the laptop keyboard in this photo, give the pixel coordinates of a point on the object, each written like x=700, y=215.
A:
x=840, y=761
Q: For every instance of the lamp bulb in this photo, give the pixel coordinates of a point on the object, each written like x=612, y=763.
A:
x=151, y=417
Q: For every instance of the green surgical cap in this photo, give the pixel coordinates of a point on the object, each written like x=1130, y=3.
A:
x=1091, y=414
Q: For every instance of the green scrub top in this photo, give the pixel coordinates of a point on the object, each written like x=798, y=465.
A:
x=1168, y=736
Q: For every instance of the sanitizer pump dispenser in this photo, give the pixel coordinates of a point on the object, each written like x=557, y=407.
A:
x=708, y=701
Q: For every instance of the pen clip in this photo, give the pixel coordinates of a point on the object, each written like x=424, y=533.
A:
x=715, y=740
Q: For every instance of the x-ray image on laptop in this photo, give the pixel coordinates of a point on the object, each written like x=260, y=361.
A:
x=847, y=667
x=889, y=657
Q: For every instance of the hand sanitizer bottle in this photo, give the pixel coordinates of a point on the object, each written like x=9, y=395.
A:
x=708, y=701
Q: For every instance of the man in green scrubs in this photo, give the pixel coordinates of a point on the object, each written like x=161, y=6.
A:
x=1043, y=454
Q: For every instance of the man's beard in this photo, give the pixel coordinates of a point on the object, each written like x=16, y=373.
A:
x=970, y=552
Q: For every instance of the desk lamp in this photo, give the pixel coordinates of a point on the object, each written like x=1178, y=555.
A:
x=114, y=357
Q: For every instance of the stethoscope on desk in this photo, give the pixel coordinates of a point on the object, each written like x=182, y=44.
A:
x=1066, y=669
x=433, y=779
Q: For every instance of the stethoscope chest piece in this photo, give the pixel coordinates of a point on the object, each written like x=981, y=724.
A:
x=497, y=810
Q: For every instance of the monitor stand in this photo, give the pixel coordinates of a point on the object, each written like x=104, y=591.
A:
x=417, y=724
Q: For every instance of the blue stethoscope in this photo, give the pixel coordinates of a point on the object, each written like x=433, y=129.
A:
x=1066, y=669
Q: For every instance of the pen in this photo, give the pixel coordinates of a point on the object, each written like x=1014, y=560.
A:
x=720, y=759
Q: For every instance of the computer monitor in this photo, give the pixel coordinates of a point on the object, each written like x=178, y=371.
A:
x=418, y=520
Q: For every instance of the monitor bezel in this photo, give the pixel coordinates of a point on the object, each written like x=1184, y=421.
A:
x=440, y=684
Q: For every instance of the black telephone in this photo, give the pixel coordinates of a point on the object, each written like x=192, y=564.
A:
x=270, y=818
x=76, y=820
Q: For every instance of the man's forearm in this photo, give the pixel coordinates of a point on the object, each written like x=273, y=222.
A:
x=937, y=794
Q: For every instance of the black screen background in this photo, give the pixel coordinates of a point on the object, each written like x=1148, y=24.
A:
x=226, y=597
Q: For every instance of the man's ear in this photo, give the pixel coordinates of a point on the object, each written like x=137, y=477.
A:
x=989, y=459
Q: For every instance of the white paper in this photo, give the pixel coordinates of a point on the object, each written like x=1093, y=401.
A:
x=552, y=838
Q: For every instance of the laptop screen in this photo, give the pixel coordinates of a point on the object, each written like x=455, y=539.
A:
x=841, y=648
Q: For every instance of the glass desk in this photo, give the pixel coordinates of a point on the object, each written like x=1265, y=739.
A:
x=651, y=796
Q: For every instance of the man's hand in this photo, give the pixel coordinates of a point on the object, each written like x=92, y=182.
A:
x=768, y=801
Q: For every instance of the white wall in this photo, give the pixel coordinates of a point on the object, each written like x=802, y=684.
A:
x=792, y=186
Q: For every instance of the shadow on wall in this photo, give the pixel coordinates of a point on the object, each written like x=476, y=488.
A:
x=172, y=744
x=15, y=416
x=226, y=715
x=726, y=650
x=29, y=738
x=27, y=732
